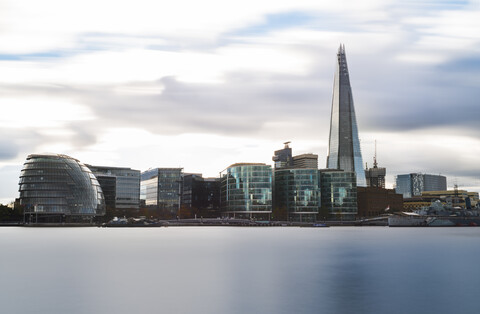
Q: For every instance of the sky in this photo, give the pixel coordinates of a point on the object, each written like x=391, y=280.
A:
x=205, y=84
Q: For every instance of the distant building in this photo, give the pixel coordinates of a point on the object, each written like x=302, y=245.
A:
x=451, y=198
x=375, y=176
x=161, y=189
x=338, y=194
x=59, y=189
x=344, y=145
x=283, y=157
x=374, y=201
x=121, y=186
x=413, y=184
x=309, y=161
x=246, y=190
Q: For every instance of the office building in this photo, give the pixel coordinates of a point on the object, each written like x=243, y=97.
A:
x=121, y=186
x=201, y=196
x=309, y=161
x=297, y=192
x=59, y=189
x=283, y=157
x=413, y=184
x=246, y=190
x=338, y=194
x=344, y=145
x=161, y=189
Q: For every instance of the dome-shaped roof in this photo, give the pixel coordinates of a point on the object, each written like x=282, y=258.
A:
x=59, y=184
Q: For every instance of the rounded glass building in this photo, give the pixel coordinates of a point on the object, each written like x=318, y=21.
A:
x=246, y=190
x=59, y=188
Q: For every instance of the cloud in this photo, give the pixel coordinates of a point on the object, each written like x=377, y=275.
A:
x=8, y=150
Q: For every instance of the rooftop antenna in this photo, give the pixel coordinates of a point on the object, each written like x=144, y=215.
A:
x=375, y=156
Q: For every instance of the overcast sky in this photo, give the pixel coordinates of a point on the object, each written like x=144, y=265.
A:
x=204, y=84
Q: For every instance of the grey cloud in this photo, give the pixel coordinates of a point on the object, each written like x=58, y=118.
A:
x=9, y=182
x=392, y=96
x=8, y=150
x=15, y=142
x=240, y=105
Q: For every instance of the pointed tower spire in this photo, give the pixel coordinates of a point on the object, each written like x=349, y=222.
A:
x=344, y=145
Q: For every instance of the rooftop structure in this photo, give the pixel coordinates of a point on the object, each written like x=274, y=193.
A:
x=305, y=161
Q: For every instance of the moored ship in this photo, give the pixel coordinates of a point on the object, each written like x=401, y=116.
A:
x=432, y=221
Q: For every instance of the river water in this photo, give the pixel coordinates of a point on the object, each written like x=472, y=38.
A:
x=240, y=270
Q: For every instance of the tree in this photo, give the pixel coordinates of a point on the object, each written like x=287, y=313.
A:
x=8, y=214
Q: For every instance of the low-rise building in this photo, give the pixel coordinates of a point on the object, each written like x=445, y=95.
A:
x=374, y=201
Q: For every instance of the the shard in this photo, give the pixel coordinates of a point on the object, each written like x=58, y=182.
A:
x=344, y=146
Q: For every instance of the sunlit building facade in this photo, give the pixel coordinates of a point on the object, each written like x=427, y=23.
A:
x=58, y=188
x=344, y=145
x=246, y=190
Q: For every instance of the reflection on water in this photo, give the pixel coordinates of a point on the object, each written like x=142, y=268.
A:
x=239, y=270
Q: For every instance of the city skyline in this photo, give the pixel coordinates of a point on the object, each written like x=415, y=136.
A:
x=146, y=85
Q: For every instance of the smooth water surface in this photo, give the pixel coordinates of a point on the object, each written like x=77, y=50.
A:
x=240, y=270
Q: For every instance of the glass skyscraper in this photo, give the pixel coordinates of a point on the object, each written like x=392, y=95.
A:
x=344, y=145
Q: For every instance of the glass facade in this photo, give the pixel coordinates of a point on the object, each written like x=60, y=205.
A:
x=59, y=188
x=161, y=188
x=201, y=194
x=283, y=157
x=121, y=186
x=246, y=190
x=298, y=191
x=339, y=194
x=414, y=184
x=344, y=145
